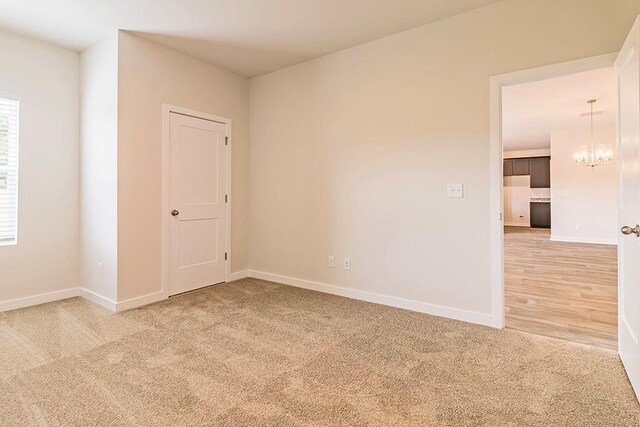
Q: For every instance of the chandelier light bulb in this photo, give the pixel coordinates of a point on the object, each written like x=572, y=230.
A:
x=595, y=154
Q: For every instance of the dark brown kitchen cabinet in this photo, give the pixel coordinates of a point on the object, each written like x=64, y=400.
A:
x=521, y=166
x=540, y=172
x=507, y=168
x=515, y=167
x=540, y=215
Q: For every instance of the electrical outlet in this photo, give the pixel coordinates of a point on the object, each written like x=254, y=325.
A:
x=347, y=264
x=332, y=261
x=454, y=191
x=100, y=269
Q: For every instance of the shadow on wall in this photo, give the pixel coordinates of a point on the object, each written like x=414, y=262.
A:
x=242, y=59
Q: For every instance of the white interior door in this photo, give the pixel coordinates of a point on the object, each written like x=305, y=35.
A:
x=197, y=186
x=628, y=75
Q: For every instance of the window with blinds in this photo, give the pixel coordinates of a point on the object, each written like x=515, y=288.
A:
x=8, y=171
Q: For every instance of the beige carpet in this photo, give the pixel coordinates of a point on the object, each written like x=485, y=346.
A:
x=258, y=353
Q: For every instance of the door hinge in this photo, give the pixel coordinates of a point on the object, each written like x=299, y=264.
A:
x=226, y=140
x=226, y=198
x=225, y=256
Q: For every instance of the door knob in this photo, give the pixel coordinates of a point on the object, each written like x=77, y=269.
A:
x=175, y=213
x=626, y=230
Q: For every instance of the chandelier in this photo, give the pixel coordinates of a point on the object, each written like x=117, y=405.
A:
x=594, y=154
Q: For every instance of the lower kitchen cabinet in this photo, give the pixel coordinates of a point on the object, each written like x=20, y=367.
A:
x=540, y=214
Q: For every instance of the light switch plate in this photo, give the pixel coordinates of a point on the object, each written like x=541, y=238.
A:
x=454, y=191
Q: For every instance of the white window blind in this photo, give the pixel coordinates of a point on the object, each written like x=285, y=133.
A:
x=8, y=171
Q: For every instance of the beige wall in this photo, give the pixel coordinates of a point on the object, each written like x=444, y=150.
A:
x=47, y=80
x=585, y=201
x=351, y=153
x=98, y=166
x=150, y=75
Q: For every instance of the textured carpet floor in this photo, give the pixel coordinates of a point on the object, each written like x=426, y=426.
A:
x=258, y=353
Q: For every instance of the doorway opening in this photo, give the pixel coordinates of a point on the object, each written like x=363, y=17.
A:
x=558, y=233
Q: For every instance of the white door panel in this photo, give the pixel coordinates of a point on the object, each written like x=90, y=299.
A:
x=197, y=163
x=628, y=75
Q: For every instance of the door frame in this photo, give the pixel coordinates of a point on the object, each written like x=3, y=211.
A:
x=496, y=201
x=167, y=109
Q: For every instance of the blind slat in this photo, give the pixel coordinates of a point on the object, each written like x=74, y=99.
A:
x=8, y=170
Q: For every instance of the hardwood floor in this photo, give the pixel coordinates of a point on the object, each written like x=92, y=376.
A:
x=561, y=290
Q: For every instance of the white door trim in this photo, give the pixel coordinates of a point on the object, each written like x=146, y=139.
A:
x=167, y=109
x=496, y=83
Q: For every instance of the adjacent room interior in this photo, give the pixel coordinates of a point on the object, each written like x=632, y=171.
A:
x=560, y=249
x=300, y=213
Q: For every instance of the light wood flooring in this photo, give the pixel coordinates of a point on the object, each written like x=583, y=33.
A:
x=561, y=290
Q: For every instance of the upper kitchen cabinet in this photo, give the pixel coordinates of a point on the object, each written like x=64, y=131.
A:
x=515, y=167
x=507, y=168
x=521, y=166
x=540, y=172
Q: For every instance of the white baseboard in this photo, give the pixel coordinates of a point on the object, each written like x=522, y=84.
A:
x=128, y=304
x=150, y=298
x=119, y=306
x=107, y=303
x=575, y=239
x=407, y=304
x=13, y=304
x=238, y=275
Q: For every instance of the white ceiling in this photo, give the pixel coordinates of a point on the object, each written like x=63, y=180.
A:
x=250, y=37
x=531, y=110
